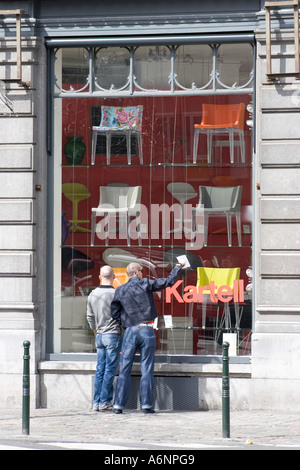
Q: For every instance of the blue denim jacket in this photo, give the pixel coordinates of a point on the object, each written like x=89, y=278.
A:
x=133, y=302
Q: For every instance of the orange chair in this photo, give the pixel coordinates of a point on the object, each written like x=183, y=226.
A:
x=221, y=119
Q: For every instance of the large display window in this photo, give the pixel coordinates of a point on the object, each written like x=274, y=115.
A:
x=153, y=160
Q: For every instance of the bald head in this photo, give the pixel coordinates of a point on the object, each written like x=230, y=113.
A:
x=107, y=275
x=132, y=269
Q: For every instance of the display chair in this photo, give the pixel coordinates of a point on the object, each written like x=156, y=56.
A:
x=195, y=261
x=220, y=277
x=117, y=257
x=221, y=119
x=119, y=121
x=119, y=260
x=75, y=262
x=216, y=201
x=182, y=192
x=120, y=277
x=76, y=192
x=120, y=202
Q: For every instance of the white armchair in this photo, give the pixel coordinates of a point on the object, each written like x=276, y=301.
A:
x=216, y=201
x=122, y=202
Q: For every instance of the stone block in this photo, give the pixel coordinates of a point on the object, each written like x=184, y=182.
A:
x=280, y=236
x=280, y=181
x=12, y=210
x=16, y=263
x=16, y=237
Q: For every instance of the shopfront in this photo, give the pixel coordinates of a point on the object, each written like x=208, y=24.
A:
x=153, y=156
x=147, y=131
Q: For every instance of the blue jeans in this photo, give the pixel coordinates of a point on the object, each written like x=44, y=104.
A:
x=108, y=355
x=135, y=338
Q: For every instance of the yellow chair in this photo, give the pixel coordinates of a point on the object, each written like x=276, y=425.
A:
x=220, y=277
x=76, y=192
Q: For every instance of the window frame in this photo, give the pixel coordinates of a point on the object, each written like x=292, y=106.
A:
x=52, y=45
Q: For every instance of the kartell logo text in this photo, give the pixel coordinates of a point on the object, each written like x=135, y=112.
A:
x=217, y=293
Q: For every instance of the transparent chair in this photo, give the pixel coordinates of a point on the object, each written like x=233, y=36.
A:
x=76, y=192
x=122, y=202
x=119, y=121
x=225, y=120
x=182, y=192
x=119, y=260
x=214, y=278
x=217, y=201
x=117, y=257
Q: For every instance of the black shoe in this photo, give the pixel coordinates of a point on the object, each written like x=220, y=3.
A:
x=118, y=411
x=148, y=410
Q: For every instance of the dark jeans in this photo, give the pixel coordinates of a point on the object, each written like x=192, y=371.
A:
x=108, y=355
x=135, y=338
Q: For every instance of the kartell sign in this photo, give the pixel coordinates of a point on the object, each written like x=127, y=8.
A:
x=194, y=294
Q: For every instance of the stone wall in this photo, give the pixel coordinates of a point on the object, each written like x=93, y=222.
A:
x=22, y=215
x=276, y=339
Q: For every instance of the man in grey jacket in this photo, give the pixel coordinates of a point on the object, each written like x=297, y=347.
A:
x=108, y=339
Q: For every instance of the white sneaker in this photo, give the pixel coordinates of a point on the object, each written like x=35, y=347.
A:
x=105, y=407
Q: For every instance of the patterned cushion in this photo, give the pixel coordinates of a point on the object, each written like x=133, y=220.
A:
x=120, y=118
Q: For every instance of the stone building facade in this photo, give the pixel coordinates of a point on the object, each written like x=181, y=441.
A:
x=268, y=377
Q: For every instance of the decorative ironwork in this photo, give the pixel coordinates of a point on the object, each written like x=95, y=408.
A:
x=132, y=85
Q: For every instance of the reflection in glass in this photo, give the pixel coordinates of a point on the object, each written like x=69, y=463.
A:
x=170, y=69
x=112, y=65
x=193, y=66
x=152, y=67
x=169, y=184
x=75, y=68
x=234, y=64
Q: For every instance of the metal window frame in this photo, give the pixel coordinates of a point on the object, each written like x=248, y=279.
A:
x=214, y=85
x=271, y=6
x=18, y=14
x=52, y=44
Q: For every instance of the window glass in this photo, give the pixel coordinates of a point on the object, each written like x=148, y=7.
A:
x=112, y=67
x=193, y=66
x=234, y=64
x=187, y=166
x=152, y=67
x=75, y=68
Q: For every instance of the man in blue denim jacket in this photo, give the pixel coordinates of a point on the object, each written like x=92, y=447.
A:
x=134, y=308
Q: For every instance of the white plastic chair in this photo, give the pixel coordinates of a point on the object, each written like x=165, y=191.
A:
x=121, y=202
x=182, y=192
x=216, y=201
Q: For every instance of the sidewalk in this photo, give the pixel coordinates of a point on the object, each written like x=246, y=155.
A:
x=164, y=429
